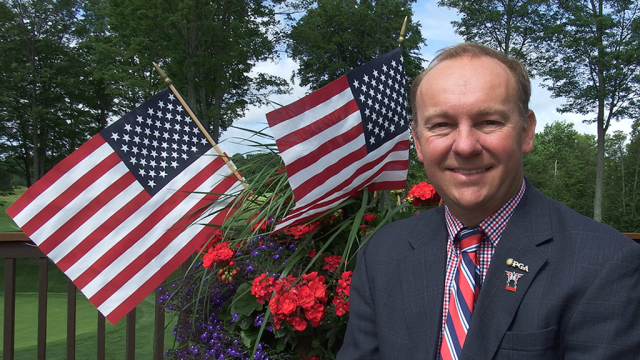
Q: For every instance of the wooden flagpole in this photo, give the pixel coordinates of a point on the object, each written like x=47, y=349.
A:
x=169, y=83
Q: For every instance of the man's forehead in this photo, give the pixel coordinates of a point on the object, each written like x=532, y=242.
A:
x=466, y=71
x=498, y=111
x=465, y=59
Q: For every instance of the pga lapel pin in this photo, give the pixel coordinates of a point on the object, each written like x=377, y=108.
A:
x=517, y=265
x=512, y=276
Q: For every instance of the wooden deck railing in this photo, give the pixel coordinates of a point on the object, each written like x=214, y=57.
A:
x=17, y=245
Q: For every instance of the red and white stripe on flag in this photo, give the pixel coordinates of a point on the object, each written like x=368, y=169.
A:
x=92, y=217
x=348, y=135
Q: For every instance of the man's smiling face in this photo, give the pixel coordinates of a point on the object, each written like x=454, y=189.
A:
x=469, y=135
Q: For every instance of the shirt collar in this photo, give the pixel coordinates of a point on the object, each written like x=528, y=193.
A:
x=492, y=226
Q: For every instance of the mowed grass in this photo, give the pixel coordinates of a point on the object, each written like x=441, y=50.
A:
x=6, y=224
x=26, y=324
x=86, y=329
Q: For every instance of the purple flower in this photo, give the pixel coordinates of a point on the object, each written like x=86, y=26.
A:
x=258, y=321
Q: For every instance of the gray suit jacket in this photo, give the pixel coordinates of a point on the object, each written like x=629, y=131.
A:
x=580, y=298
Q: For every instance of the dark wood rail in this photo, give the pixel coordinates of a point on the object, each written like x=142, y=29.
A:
x=16, y=245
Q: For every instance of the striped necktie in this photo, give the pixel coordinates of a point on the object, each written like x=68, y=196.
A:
x=463, y=295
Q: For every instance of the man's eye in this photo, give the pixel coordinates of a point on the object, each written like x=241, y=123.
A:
x=439, y=125
x=490, y=122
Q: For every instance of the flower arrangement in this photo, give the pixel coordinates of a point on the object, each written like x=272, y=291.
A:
x=256, y=292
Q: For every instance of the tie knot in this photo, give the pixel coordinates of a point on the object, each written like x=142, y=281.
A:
x=470, y=239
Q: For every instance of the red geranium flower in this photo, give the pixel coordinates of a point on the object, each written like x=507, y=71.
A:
x=290, y=302
x=333, y=262
x=341, y=300
x=298, y=323
x=423, y=194
x=299, y=231
x=315, y=314
x=261, y=224
x=369, y=217
x=262, y=288
x=220, y=254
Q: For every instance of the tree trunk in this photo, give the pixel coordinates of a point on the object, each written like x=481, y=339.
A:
x=217, y=114
x=624, y=191
x=634, y=196
x=203, y=113
x=597, y=201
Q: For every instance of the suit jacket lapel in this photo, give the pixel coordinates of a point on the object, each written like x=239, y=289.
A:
x=423, y=286
x=496, y=307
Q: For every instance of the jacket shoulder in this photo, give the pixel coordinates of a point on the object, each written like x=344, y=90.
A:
x=409, y=233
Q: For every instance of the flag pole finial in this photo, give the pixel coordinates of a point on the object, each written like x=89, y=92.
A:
x=164, y=76
x=403, y=32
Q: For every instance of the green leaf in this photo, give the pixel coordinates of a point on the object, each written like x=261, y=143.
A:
x=245, y=303
x=249, y=337
x=281, y=343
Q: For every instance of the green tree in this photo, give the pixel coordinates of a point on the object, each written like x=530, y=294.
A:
x=112, y=83
x=616, y=201
x=253, y=165
x=415, y=172
x=561, y=165
x=510, y=26
x=208, y=48
x=631, y=164
x=593, y=62
x=40, y=114
x=337, y=36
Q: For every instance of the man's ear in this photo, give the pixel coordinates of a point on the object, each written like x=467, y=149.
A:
x=529, y=132
x=416, y=143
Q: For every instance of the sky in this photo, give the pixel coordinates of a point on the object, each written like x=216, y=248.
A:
x=437, y=29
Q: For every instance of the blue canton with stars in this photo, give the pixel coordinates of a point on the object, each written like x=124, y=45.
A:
x=379, y=90
x=157, y=140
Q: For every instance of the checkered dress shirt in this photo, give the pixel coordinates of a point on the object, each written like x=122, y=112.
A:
x=493, y=226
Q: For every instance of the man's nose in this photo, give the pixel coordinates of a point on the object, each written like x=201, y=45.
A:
x=466, y=142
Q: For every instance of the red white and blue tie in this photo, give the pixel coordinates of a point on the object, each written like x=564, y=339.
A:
x=464, y=293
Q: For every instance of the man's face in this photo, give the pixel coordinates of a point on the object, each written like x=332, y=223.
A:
x=469, y=135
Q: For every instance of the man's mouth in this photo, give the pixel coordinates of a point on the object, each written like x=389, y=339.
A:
x=469, y=172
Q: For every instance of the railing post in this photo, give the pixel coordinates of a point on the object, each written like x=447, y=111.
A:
x=43, y=273
x=9, y=308
x=131, y=335
x=102, y=349
x=71, y=321
x=158, y=333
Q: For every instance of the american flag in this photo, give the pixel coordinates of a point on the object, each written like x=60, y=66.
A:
x=118, y=215
x=352, y=133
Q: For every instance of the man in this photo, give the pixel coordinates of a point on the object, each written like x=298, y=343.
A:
x=539, y=282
